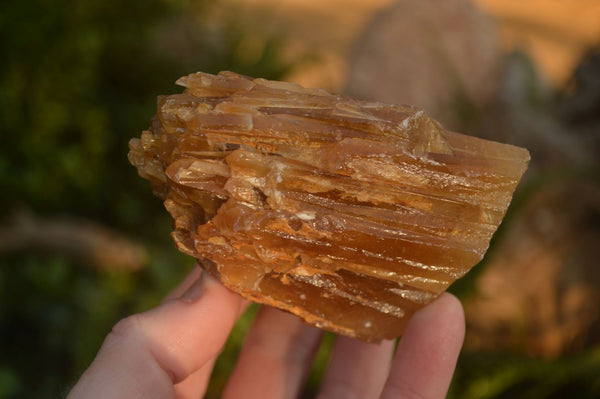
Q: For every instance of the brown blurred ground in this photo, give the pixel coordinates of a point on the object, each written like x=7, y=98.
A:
x=539, y=292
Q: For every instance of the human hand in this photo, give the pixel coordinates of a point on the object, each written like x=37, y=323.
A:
x=169, y=352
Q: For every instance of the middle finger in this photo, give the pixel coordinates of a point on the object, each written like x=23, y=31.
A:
x=276, y=357
x=356, y=369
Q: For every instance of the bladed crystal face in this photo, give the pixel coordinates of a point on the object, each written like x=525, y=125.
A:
x=350, y=214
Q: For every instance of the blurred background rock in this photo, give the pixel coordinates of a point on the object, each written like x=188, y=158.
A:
x=83, y=242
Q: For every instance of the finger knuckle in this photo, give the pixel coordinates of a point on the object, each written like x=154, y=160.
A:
x=404, y=390
x=344, y=388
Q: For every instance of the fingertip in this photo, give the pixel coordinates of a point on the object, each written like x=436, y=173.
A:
x=185, y=284
x=452, y=305
x=212, y=285
x=446, y=312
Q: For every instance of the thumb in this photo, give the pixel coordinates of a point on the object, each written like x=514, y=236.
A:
x=146, y=354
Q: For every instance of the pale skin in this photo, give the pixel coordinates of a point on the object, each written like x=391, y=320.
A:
x=169, y=352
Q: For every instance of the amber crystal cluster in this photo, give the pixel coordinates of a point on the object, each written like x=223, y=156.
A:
x=349, y=214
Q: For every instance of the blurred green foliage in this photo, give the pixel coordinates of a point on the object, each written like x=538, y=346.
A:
x=502, y=376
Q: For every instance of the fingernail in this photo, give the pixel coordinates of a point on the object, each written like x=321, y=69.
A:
x=195, y=290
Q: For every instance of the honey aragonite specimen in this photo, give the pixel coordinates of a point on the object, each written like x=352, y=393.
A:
x=349, y=214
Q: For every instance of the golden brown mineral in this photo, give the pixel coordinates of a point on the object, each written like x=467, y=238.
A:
x=349, y=214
